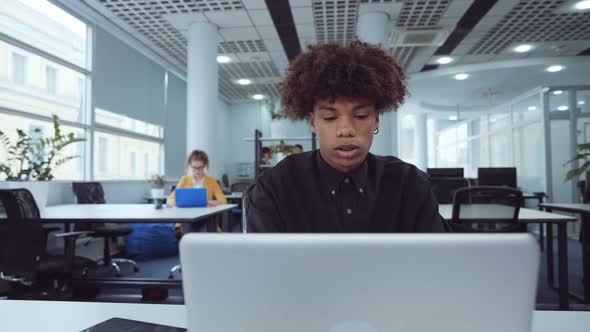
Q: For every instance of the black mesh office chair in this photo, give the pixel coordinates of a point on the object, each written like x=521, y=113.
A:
x=240, y=187
x=23, y=254
x=92, y=193
x=487, y=209
x=444, y=188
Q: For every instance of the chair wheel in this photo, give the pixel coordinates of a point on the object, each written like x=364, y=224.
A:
x=118, y=275
x=135, y=269
x=171, y=276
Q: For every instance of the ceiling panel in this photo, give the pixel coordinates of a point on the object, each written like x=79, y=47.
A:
x=534, y=21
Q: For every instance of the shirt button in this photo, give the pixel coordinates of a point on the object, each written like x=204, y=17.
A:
x=333, y=192
x=346, y=180
x=361, y=190
x=349, y=211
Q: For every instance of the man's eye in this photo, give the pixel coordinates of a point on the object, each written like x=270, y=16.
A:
x=331, y=118
x=361, y=116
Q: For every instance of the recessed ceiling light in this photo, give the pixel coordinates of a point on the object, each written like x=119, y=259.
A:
x=453, y=118
x=223, y=59
x=554, y=68
x=562, y=108
x=581, y=102
x=557, y=92
x=244, y=81
x=461, y=77
x=532, y=108
x=258, y=97
x=582, y=5
x=523, y=48
x=444, y=60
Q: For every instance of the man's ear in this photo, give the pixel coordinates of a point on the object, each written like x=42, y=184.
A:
x=376, y=119
x=311, y=120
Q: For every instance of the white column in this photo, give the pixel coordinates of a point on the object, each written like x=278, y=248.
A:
x=421, y=139
x=202, y=94
x=374, y=28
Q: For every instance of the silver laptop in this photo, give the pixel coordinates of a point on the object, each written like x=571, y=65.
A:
x=359, y=283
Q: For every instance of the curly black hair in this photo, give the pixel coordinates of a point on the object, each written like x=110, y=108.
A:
x=331, y=70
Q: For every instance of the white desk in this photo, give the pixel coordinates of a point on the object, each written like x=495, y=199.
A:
x=75, y=316
x=583, y=210
x=493, y=211
x=128, y=213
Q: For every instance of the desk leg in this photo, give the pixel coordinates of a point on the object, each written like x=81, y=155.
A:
x=226, y=221
x=563, y=269
x=585, y=234
x=549, y=254
x=541, y=228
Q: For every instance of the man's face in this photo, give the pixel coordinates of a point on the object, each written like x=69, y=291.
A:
x=345, y=128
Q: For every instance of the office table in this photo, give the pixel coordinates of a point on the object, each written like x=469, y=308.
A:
x=75, y=316
x=132, y=213
x=584, y=211
x=529, y=216
x=191, y=218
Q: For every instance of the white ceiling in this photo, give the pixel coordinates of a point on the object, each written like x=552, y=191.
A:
x=248, y=35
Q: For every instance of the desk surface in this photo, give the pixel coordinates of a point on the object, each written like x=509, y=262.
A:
x=76, y=316
x=568, y=207
x=128, y=213
x=492, y=211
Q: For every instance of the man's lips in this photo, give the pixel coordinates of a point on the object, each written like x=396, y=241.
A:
x=346, y=151
x=346, y=147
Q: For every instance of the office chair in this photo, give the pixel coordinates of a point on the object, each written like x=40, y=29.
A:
x=225, y=183
x=487, y=209
x=92, y=193
x=23, y=255
x=240, y=186
x=444, y=188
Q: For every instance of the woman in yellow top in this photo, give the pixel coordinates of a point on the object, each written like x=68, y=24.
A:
x=196, y=163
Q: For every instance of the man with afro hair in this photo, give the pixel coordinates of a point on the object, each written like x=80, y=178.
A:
x=342, y=188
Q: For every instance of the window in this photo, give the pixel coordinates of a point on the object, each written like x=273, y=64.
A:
x=120, y=159
x=47, y=27
x=19, y=69
x=146, y=166
x=70, y=170
x=103, y=155
x=51, y=80
x=126, y=123
x=132, y=163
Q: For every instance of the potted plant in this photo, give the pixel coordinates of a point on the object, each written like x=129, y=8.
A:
x=31, y=160
x=281, y=150
x=583, y=159
x=158, y=184
x=276, y=125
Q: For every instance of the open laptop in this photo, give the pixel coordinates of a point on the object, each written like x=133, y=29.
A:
x=359, y=283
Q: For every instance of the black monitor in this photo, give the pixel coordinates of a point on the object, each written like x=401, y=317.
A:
x=445, y=172
x=497, y=176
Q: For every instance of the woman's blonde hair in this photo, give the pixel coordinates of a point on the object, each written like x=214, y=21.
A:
x=197, y=155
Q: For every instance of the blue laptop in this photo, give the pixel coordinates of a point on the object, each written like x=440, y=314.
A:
x=191, y=197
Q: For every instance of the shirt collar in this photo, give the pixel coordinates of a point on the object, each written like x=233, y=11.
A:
x=332, y=177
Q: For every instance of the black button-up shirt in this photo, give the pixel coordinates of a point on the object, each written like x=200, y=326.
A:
x=303, y=194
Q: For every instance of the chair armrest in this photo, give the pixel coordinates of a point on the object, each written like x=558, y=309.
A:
x=72, y=234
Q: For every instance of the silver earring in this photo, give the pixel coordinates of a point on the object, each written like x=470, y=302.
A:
x=376, y=131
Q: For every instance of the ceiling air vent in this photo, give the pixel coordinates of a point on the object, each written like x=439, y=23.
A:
x=418, y=36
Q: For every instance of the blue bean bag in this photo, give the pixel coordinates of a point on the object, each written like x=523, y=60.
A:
x=150, y=241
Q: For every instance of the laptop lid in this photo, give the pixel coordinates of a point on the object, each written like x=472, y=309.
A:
x=359, y=283
x=191, y=197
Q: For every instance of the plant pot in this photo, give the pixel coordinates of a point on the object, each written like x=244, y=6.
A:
x=39, y=189
x=157, y=192
x=277, y=129
x=279, y=156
